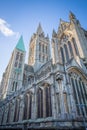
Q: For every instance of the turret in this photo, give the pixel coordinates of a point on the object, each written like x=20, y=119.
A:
x=39, y=49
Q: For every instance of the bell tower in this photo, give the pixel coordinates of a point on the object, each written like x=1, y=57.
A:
x=14, y=72
x=39, y=49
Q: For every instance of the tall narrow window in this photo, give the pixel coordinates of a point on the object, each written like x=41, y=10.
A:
x=3, y=114
x=79, y=94
x=85, y=95
x=16, y=86
x=75, y=46
x=46, y=49
x=58, y=100
x=62, y=54
x=39, y=46
x=16, y=63
x=17, y=109
x=17, y=56
x=66, y=52
x=8, y=114
x=65, y=102
x=43, y=47
x=40, y=103
x=43, y=58
x=30, y=105
x=70, y=48
x=20, y=65
x=39, y=57
x=21, y=57
x=48, y=102
x=25, y=107
x=75, y=96
x=13, y=86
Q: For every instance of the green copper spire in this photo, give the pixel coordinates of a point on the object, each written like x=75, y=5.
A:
x=20, y=45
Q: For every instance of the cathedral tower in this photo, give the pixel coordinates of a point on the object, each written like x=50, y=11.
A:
x=12, y=78
x=39, y=49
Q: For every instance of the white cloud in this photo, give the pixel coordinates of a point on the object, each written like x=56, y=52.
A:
x=5, y=29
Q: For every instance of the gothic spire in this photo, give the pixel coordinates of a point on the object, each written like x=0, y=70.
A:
x=39, y=29
x=72, y=16
x=53, y=33
x=20, y=45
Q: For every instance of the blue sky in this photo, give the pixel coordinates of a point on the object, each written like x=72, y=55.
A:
x=21, y=17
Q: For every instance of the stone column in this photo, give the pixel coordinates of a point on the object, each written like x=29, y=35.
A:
x=59, y=79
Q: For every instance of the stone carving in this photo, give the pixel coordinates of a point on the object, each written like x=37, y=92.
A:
x=59, y=77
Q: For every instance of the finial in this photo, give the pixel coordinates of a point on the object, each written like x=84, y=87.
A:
x=39, y=29
x=72, y=16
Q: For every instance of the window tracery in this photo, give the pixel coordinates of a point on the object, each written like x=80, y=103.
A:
x=79, y=93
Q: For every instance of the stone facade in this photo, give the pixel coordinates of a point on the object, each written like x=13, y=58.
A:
x=53, y=93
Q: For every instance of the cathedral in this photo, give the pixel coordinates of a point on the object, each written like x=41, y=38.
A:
x=50, y=91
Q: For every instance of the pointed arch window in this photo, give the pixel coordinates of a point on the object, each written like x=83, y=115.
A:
x=75, y=46
x=65, y=102
x=66, y=52
x=3, y=114
x=30, y=105
x=70, y=48
x=17, y=56
x=75, y=95
x=39, y=57
x=21, y=57
x=13, y=86
x=62, y=55
x=27, y=106
x=40, y=103
x=39, y=46
x=43, y=47
x=48, y=101
x=17, y=109
x=8, y=114
x=16, y=86
x=46, y=49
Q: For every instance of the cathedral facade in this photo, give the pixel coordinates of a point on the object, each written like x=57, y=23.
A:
x=50, y=92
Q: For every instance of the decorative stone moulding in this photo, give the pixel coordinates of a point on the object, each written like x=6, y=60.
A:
x=59, y=77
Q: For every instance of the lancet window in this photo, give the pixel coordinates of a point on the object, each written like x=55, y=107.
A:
x=40, y=103
x=70, y=48
x=48, y=101
x=27, y=106
x=75, y=46
x=80, y=94
x=17, y=109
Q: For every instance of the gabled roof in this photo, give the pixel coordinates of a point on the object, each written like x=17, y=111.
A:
x=20, y=45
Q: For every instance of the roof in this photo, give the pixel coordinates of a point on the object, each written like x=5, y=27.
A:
x=20, y=45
